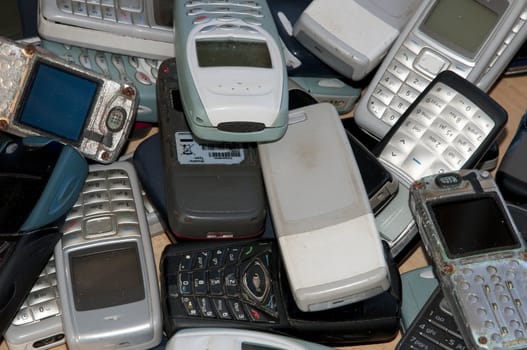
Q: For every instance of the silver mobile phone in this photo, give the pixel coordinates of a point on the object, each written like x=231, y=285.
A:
x=478, y=256
x=44, y=95
x=105, y=266
x=474, y=38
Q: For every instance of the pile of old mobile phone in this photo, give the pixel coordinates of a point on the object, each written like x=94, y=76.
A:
x=480, y=263
x=212, y=190
x=47, y=96
x=41, y=179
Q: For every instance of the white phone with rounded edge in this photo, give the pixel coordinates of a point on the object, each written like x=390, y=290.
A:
x=231, y=70
x=105, y=267
x=323, y=221
x=236, y=339
x=493, y=30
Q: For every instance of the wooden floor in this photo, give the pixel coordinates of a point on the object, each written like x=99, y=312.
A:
x=511, y=93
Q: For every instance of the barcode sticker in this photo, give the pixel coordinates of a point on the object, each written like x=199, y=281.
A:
x=191, y=152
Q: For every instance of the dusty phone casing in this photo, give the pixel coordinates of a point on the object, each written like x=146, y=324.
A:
x=315, y=211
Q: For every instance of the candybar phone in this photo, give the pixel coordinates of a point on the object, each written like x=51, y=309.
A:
x=34, y=329
x=47, y=96
x=477, y=254
x=231, y=70
x=132, y=70
x=41, y=179
x=432, y=42
x=213, y=190
x=236, y=339
x=105, y=267
x=449, y=126
x=242, y=285
x=322, y=218
x=424, y=307
x=141, y=28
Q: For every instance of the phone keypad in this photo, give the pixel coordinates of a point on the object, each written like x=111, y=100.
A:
x=105, y=207
x=123, y=11
x=408, y=74
x=433, y=329
x=440, y=134
x=494, y=299
x=43, y=299
x=232, y=283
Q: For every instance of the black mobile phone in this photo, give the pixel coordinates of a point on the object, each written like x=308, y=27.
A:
x=242, y=284
x=511, y=175
x=40, y=181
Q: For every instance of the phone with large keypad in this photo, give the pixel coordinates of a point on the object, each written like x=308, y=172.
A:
x=449, y=127
x=242, y=284
x=473, y=38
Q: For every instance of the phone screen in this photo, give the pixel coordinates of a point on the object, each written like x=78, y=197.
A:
x=473, y=225
x=463, y=25
x=108, y=277
x=58, y=102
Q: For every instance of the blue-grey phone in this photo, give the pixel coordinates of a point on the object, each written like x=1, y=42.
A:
x=40, y=180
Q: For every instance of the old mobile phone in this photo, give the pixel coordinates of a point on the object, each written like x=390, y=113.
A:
x=352, y=36
x=315, y=212
x=41, y=180
x=236, y=339
x=105, y=267
x=241, y=284
x=448, y=127
x=379, y=183
x=142, y=28
x=232, y=73
x=331, y=90
x=430, y=43
x=34, y=329
x=213, y=190
x=434, y=327
x=132, y=70
x=511, y=176
x=477, y=253
x=420, y=316
x=45, y=95
x=381, y=187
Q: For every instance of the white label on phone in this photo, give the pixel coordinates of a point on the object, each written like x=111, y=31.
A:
x=191, y=152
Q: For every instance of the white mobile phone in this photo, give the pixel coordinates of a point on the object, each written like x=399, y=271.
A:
x=352, y=36
x=478, y=256
x=45, y=95
x=474, y=38
x=236, y=339
x=448, y=127
x=140, y=28
x=231, y=70
x=330, y=246
x=105, y=266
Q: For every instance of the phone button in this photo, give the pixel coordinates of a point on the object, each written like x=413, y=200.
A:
x=430, y=62
x=116, y=119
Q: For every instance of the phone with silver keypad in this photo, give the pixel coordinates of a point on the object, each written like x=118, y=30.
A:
x=450, y=126
x=478, y=255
